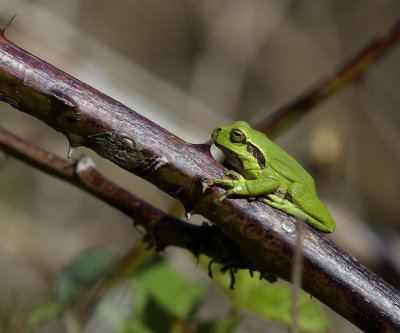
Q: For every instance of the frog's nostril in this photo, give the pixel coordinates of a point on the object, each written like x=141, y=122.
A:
x=216, y=132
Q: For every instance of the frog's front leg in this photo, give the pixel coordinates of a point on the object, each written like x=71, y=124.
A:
x=246, y=187
x=233, y=183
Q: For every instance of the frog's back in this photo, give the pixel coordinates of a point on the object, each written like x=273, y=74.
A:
x=284, y=164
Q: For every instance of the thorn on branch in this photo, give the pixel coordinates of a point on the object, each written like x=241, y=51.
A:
x=210, y=273
x=232, y=272
x=269, y=277
x=4, y=28
x=153, y=242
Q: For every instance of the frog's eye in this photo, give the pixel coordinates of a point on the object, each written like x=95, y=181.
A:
x=237, y=135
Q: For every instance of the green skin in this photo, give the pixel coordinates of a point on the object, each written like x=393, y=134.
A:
x=269, y=173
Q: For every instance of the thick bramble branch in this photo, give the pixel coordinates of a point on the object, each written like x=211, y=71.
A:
x=265, y=236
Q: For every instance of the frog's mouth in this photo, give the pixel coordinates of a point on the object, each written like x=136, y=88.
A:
x=236, y=162
x=232, y=157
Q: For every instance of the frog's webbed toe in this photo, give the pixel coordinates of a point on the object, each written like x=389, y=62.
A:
x=233, y=174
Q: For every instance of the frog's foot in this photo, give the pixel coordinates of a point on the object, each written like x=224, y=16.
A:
x=285, y=206
x=274, y=201
x=211, y=182
x=234, y=175
x=207, y=183
x=237, y=185
x=237, y=177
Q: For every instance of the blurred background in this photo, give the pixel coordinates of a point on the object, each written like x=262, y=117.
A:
x=190, y=66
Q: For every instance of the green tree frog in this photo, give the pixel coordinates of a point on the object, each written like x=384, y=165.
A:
x=266, y=172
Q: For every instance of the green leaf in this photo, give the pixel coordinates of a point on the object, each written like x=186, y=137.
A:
x=41, y=314
x=136, y=325
x=157, y=317
x=271, y=301
x=170, y=289
x=224, y=325
x=83, y=272
x=148, y=315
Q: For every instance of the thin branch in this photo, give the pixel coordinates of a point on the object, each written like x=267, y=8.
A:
x=83, y=174
x=265, y=236
x=350, y=71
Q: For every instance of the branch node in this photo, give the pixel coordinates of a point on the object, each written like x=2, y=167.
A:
x=84, y=163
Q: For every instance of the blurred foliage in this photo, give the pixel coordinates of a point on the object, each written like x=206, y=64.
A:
x=82, y=273
x=169, y=289
x=11, y=319
x=164, y=300
x=272, y=301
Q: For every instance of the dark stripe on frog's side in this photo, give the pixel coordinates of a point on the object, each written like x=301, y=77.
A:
x=283, y=163
x=258, y=155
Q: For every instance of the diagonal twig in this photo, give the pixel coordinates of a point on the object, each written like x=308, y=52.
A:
x=347, y=73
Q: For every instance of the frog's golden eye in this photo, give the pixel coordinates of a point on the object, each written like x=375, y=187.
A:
x=237, y=136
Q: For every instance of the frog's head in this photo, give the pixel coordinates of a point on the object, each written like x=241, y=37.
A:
x=238, y=143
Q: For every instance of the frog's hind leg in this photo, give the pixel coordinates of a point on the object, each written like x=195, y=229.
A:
x=284, y=205
x=274, y=201
x=316, y=213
